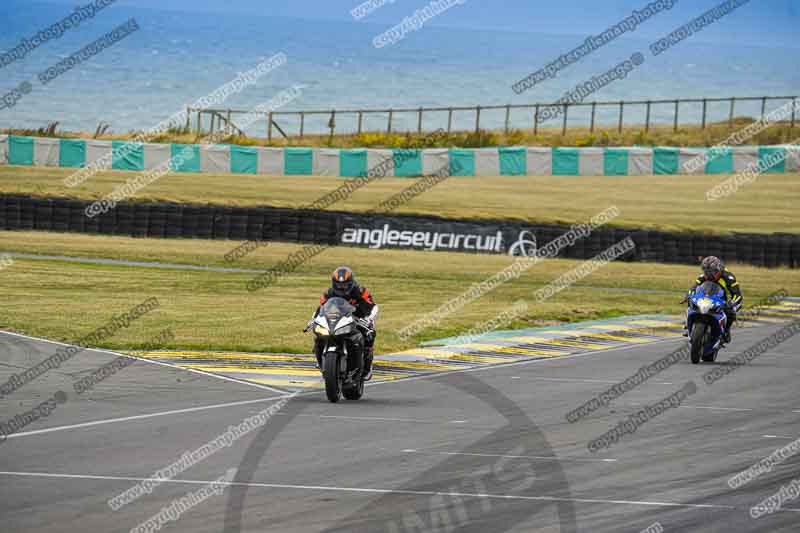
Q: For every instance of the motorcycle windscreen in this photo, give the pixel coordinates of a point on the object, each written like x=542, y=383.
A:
x=709, y=288
x=334, y=309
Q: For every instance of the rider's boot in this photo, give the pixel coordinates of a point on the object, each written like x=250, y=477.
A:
x=318, y=354
x=368, y=354
x=726, y=336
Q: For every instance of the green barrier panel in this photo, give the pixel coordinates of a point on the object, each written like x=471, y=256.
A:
x=665, y=161
x=185, y=157
x=565, y=162
x=719, y=161
x=353, y=163
x=767, y=154
x=615, y=162
x=462, y=162
x=513, y=161
x=244, y=159
x=71, y=153
x=20, y=150
x=127, y=156
x=298, y=161
x=407, y=163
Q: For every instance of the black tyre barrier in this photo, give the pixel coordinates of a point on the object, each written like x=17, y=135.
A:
x=191, y=216
x=77, y=217
x=642, y=251
x=27, y=213
x=174, y=223
x=698, y=246
x=43, y=218
x=655, y=242
x=157, y=223
x=744, y=249
x=107, y=222
x=714, y=246
x=290, y=227
x=10, y=213
x=20, y=212
x=255, y=224
x=581, y=249
x=272, y=225
x=238, y=225
x=91, y=225
x=125, y=214
x=795, y=262
x=222, y=222
x=784, y=249
x=141, y=220
x=759, y=251
x=60, y=216
x=684, y=253
x=730, y=249
x=205, y=224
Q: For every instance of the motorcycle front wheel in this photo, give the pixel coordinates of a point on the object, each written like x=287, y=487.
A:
x=333, y=378
x=698, y=334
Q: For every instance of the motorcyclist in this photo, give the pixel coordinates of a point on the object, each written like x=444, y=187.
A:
x=714, y=270
x=343, y=285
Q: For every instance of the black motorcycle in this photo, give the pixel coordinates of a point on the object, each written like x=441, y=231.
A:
x=339, y=332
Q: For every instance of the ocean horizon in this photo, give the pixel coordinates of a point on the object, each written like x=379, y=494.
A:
x=176, y=58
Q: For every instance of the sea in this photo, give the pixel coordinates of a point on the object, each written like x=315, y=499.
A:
x=176, y=58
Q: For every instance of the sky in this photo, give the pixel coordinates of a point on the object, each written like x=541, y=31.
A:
x=761, y=22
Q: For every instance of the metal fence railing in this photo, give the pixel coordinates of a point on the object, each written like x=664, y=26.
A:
x=221, y=118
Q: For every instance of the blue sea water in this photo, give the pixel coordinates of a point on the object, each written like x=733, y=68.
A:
x=176, y=58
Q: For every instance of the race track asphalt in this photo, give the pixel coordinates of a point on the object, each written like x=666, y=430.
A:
x=476, y=450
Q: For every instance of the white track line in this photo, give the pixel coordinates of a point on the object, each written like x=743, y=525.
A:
x=538, y=457
x=191, y=370
x=143, y=417
x=376, y=491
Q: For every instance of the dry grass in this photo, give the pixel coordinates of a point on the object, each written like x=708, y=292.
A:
x=658, y=135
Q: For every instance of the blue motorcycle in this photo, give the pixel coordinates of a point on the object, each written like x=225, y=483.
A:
x=706, y=321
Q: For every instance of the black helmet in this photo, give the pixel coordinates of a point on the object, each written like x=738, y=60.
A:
x=342, y=281
x=712, y=268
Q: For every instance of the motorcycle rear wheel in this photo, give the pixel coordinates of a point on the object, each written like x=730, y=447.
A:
x=698, y=334
x=354, y=392
x=710, y=358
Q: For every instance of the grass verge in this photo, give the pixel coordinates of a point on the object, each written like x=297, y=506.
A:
x=210, y=310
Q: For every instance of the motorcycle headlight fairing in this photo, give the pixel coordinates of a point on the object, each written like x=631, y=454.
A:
x=704, y=305
x=322, y=327
x=344, y=326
